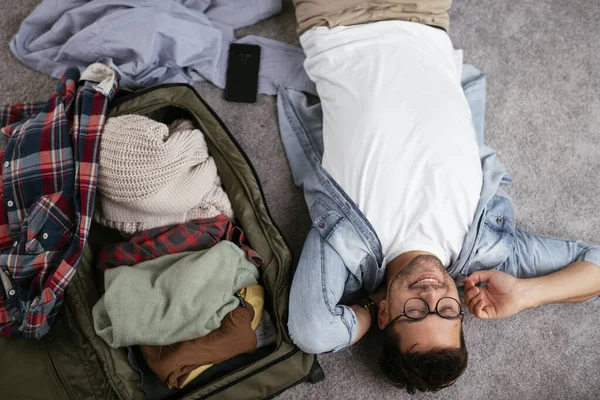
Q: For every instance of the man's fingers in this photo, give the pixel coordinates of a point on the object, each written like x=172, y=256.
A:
x=472, y=307
x=468, y=283
x=470, y=293
x=478, y=308
x=474, y=301
x=471, y=281
x=480, y=276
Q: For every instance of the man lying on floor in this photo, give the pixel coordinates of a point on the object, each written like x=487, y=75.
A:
x=402, y=188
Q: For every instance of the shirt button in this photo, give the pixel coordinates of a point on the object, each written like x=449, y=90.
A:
x=499, y=219
x=11, y=292
x=6, y=164
x=45, y=236
x=10, y=203
x=321, y=225
x=15, y=244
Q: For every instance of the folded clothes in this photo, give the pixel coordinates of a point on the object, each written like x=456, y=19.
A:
x=174, y=363
x=199, y=234
x=155, y=388
x=172, y=298
x=223, y=339
x=152, y=176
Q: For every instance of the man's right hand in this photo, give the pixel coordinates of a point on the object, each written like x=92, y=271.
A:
x=502, y=296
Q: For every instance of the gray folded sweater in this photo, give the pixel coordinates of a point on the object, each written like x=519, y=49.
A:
x=172, y=298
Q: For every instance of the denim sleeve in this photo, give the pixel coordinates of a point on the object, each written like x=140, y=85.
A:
x=317, y=323
x=537, y=255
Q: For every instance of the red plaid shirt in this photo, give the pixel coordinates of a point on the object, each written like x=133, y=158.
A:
x=191, y=236
x=49, y=173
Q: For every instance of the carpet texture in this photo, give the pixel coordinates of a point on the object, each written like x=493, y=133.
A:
x=542, y=60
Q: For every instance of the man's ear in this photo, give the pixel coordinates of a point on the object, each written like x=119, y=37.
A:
x=382, y=314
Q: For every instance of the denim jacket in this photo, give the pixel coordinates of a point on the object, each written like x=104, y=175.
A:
x=492, y=241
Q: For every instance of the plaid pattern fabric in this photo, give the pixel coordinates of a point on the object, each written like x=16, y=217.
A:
x=195, y=235
x=49, y=176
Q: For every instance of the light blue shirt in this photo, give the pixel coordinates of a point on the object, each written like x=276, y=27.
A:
x=155, y=41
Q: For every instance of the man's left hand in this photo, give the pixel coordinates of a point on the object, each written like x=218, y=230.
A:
x=500, y=298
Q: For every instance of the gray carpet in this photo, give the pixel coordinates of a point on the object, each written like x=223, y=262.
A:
x=542, y=59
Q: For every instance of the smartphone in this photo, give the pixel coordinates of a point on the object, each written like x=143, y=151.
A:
x=242, y=73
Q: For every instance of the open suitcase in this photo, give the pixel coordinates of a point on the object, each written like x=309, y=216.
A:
x=72, y=362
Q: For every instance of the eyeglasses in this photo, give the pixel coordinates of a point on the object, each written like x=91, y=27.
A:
x=417, y=309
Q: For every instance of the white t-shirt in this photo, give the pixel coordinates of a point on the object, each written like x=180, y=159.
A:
x=397, y=131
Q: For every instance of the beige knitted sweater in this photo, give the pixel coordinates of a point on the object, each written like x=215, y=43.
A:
x=152, y=175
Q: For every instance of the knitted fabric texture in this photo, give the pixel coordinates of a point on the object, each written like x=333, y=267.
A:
x=151, y=175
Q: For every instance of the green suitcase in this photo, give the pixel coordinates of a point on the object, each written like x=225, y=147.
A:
x=72, y=362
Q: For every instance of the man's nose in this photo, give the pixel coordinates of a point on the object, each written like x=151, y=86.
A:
x=431, y=295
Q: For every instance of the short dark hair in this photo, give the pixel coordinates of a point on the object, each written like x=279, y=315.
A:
x=427, y=372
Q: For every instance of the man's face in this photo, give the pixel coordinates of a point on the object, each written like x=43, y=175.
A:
x=426, y=278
